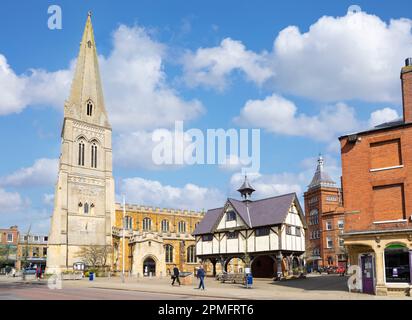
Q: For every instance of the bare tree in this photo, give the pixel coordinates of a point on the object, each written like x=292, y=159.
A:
x=95, y=257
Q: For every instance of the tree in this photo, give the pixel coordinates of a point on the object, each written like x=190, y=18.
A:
x=95, y=257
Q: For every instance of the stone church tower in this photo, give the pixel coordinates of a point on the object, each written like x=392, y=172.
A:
x=84, y=196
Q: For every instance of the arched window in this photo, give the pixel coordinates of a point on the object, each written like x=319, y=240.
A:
x=181, y=227
x=89, y=108
x=314, y=217
x=94, y=155
x=191, y=254
x=165, y=225
x=147, y=224
x=169, y=253
x=128, y=223
x=86, y=208
x=81, y=154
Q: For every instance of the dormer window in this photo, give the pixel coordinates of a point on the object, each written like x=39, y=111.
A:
x=230, y=215
x=89, y=108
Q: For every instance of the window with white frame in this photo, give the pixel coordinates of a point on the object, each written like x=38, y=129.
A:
x=165, y=225
x=289, y=230
x=329, y=242
x=297, y=231
x=341, y=242
x=147, y=224
x=36, y=238
x=340, y=224
x=191, y=254
x=9, y=237
x=230, y=215
x=128, y=223
x=169, y=253
x=328, y=225
x=314, y=217
x=181, y=227
x=207, y=237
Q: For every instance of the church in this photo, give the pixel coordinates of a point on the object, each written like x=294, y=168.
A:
x=85, y=213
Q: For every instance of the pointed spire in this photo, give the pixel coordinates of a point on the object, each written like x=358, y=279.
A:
x=246, y=189
x=321, y=178
x=86, y=86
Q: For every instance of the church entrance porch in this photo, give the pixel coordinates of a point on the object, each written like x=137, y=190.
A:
x=149, y=267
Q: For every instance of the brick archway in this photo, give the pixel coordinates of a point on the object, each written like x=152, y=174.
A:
x=264, y=267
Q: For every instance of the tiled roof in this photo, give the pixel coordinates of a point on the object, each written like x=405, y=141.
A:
x=264, y=212
x=321, y=178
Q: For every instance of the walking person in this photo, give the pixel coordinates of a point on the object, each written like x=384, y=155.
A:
x=201, y=276
x=175, y=275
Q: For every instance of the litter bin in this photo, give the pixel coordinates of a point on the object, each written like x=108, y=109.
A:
x=249, y=280
x=91, y=276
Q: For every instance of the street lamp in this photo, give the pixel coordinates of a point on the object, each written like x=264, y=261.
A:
x=123, y=234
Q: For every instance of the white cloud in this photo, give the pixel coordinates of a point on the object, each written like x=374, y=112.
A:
x=234, y=163
x=48, y=199
x=211, y=66
x=357, y=56
x=37, y=87
x=137, y=94
x=11, y=202
x=42, y=173
x=269, y=185
x=273, y=184
x=382, y=116
x=279, y=115
x=150, y=192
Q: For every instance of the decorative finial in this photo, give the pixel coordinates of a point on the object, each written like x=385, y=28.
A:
x=320, y=160
x=89, y=13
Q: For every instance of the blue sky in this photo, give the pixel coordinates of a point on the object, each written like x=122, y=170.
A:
x=304, y=73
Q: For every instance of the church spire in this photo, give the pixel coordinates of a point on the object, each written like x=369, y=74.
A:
x=321, y=178
x=86, y=102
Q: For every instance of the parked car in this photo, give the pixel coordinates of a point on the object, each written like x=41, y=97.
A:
x=332, y=270
x=28, y=271
x=341, y=270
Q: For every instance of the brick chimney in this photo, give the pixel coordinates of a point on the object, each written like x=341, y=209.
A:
x=406, y=78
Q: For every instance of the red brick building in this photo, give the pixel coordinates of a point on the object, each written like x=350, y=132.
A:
x=9, y=239
x=325, y=220
x=377, y=189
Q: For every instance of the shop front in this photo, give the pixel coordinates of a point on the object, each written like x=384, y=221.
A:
x=385, y=263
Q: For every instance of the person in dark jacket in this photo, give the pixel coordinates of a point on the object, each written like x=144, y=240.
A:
x=175, y=275
x=201, y=276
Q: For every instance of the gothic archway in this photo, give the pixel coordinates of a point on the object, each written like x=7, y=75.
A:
x=149, y=267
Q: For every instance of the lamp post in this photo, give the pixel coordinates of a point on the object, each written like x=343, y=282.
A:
x=123, y=234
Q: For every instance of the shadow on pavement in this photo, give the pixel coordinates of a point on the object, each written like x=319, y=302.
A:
x=321, y=283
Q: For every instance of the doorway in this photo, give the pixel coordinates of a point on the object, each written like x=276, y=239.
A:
x=367, y=274
x=149, y=267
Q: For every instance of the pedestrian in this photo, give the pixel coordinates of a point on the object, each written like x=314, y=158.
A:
x=201, y=276
x=38, y=270
x=175, y=275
